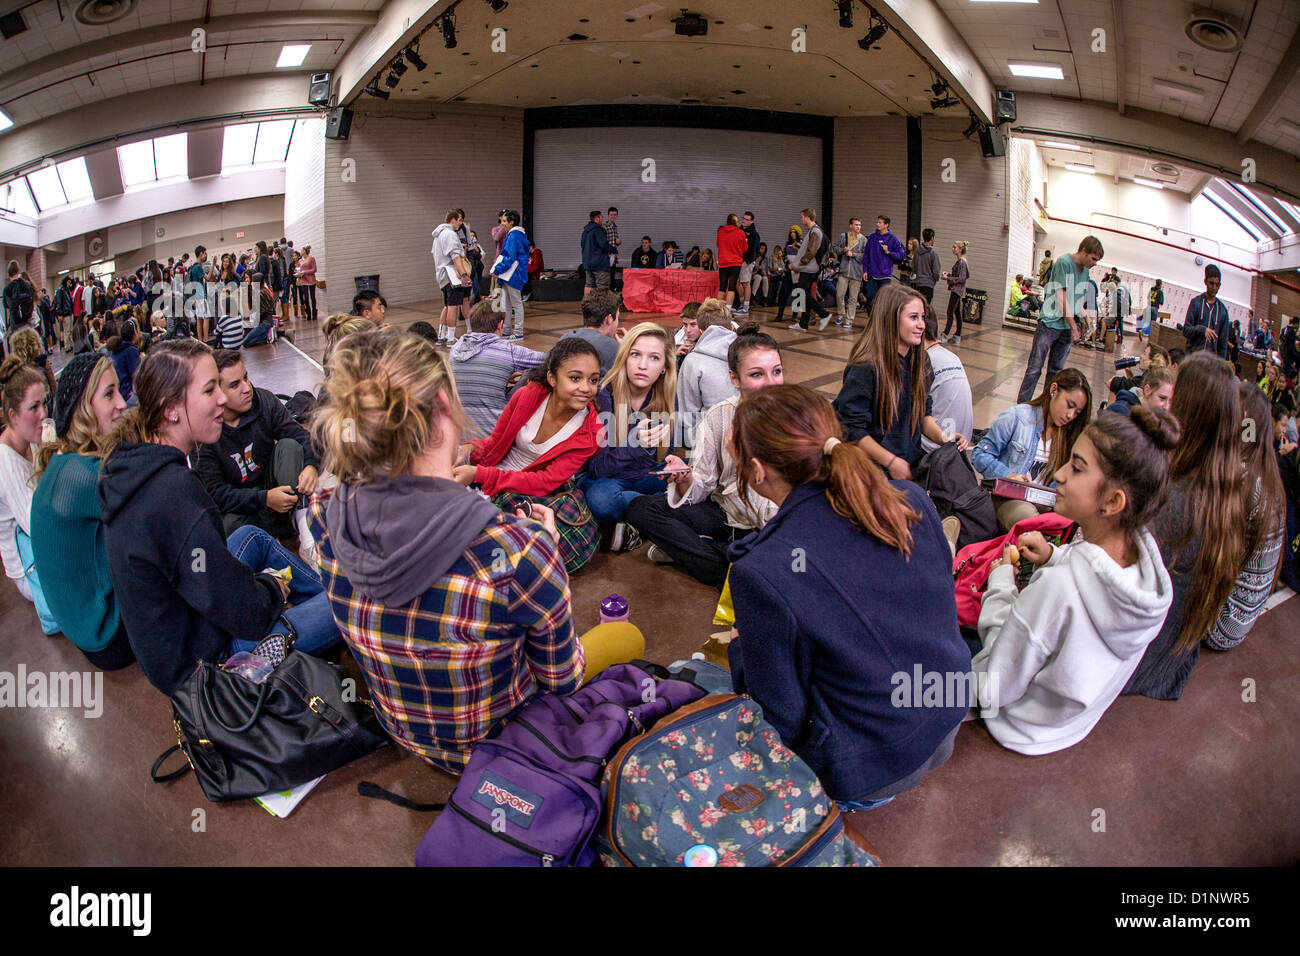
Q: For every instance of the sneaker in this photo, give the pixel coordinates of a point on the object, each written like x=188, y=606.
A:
x=796, y=327
x=839, y=320
x=955, y=340
x=625, y=538
x=952, y=531
x=658, y=555
x=848, y=325
x=943, y=339
x=823, y=322
x=517, y=336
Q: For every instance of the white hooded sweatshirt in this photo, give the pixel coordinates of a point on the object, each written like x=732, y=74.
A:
x=446, y=246
x=1059, y=652
x=704, y=378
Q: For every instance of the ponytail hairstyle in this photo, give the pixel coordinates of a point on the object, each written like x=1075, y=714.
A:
x=1262, y=476
x=1207, y=467
x=877, y=346
x=660, y=402
x=82, y=437
x=339, y=325
x=386, y=389
x=748, y=337
x=568, y=347
x=788, y=428
x=1133, y=454
x=1066, y=380
x=16, y=377
x=164, y=374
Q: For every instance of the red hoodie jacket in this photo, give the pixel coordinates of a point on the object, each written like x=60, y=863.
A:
x=732, y=243
x=548, y=472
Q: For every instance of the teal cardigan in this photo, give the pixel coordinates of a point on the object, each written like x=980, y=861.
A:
x=68, y=544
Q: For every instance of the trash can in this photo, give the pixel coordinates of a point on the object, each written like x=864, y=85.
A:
x=367, y=283
x=974, y=305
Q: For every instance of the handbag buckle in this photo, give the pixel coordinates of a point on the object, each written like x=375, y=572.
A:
x=315, y=704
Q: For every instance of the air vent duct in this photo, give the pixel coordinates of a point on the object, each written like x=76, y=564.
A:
x=1213, y=31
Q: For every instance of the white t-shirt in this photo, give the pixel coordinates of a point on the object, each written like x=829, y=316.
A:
x=525, y=451
x=15, y=505
x=1041, y=454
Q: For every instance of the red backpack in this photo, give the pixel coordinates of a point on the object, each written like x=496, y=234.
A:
x=972, y=564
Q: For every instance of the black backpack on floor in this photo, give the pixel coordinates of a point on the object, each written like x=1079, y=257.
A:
x=950, y=481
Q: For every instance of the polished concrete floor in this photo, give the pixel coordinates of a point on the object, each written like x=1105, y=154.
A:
x=1207, y=780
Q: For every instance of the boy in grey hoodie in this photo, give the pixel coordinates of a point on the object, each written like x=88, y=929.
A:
x=704, y=378
x=485, y=365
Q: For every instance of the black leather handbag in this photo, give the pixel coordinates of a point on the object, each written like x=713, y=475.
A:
x=245, y=739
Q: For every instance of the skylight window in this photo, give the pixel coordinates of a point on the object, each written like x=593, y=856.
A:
x=1223, y=208
x=292, y=55
x=16, y=197
x=154, y=159
x=1259, y=207
x=5, y=121
x=255, y=144
x=76, y=179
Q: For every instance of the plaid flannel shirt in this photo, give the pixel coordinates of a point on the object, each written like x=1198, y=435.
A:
x=493, y=631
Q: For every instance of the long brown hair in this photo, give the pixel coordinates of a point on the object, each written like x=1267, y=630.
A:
x=877, y=345
x=659, y=403
x=161, y=380
x=1207, y=467
x=1066, y=380
x=1262, y=473
x=786, y=427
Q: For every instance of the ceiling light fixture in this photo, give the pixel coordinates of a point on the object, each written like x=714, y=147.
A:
x=1037, y=71
x=877, y=31
x=1177, y=91
x=448, y=25
x=846, y=13
x=1076, y=168
x=1148, y=182
x=412, y=54
x=292, y=55
x=1052, y=144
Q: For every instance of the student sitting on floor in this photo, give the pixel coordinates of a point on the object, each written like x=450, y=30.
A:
x=885, y=403
x=1058, y=653
x=67, y=529
x=1221, y=529
x=263, y=462
x=456, y=611
x=637, y=405
x=484, y=363
x=703, y=512
x=1156, y=391
x=548, y=430
x=22, y=409
x=1153, y=356
x=688, y=333
x=337, y=326
x=186, y=593
x=703, y=379
x=1031, y=442
x=848, y=587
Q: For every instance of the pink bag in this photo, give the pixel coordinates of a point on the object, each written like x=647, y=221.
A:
x=971, y=566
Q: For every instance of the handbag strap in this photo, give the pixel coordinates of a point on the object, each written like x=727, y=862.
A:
x=175, y=774
x=367, y=789
x=210, y=707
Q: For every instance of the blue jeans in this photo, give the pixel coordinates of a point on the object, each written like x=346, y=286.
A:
x=608, y=498
x=1050, y=345
x=849, y=806
x=310, y=615
x=871, y=287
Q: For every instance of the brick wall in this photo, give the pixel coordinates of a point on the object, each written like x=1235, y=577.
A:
x=409, y=172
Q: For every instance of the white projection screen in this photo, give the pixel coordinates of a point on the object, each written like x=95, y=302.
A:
x=700, y=176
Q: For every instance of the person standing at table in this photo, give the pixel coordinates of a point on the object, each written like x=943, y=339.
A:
x=596, y=250
x=644, y=257
x=611, y=233
x=1206, y=322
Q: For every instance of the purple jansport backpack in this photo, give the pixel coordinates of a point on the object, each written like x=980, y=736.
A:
x=530, y=796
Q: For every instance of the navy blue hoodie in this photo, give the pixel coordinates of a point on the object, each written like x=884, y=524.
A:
x=182, y=594
x=827, y=616
x=596, y=247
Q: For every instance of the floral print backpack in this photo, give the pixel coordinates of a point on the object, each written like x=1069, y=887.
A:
x=711, y=784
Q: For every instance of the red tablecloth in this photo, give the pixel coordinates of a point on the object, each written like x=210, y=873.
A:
x=666, y=290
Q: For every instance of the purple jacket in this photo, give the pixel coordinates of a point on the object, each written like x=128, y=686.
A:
x=880, y=263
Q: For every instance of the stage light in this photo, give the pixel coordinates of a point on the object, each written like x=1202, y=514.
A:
x=944, y=102
x=374, y=90
x=878, y=29
x=448, y=31
x=846, y=13
x=497, y=5
x=413, y=57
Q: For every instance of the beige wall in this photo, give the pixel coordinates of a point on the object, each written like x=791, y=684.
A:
x=409, y=172
x=870, y=172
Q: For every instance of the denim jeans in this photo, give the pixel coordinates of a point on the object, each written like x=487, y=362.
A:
x=850, y=806
x=871, y=287
x=1050, y=345
x=310, y=615
x=608, y=498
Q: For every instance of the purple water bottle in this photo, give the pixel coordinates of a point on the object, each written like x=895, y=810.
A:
x=612, y=609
